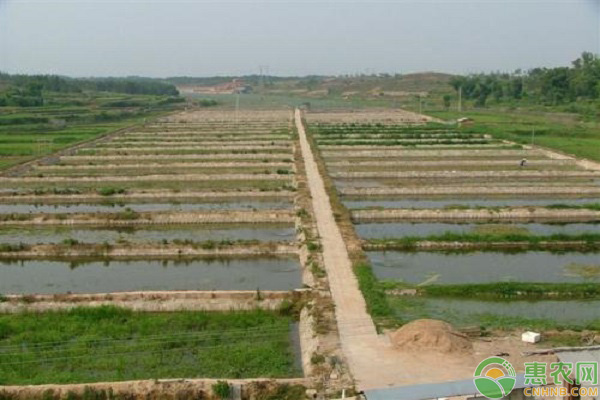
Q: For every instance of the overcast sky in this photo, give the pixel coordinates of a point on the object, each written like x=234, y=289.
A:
x=205, y=38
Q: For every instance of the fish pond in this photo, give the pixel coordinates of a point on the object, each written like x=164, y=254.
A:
x=57, y=276
x=481, y=267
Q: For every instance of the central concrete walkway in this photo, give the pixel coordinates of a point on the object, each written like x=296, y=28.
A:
x=355, y=324
x=373, y=362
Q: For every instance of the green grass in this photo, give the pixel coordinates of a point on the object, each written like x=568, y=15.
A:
x=588, y=206
x=30, y=132
x=590, y=240
x=112, y=344
x=513, y=290
x=408, y=308
x=377, y=303
x=568, y=133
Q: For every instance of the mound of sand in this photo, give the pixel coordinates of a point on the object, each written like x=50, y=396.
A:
x=430, y=335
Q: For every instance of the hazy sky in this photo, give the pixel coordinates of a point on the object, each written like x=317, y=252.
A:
x=201, y=38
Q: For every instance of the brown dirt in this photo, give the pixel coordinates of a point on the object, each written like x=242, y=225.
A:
x=156, y=218
x=143, y=250
x=430, y=335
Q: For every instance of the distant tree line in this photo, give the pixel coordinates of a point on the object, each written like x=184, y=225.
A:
x=27, y=90
x=550, y=86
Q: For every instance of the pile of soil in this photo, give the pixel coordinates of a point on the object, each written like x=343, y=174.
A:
x=431, y=335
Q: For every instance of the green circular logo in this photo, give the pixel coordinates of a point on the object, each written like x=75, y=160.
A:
x=495, y=378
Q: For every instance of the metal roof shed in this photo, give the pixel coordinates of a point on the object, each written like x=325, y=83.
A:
x=576, y=356
x=433, y=390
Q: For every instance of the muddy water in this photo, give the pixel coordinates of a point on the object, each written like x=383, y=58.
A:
x=470, y=312
x=465, y=202
x=43, y=276
x=400, y=229
x=198, y=233
x=478, y=267
x=142, y=207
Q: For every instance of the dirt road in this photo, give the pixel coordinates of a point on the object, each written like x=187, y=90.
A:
x=355, y=324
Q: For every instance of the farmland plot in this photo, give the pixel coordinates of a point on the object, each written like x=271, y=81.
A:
x=470, y=226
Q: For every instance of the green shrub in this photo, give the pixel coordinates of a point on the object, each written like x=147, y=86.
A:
x=317, y=358
x=312, y=246
x=221, y=389
x=375, y=298
x=5, y=330
x=284, y=392
x=127, y=214
x=8, y=247
x=208, y=245
x=110, y=191
x=70, y=242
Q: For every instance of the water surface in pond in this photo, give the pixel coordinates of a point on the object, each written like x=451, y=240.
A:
x=196, y=233
x=465, y=202
x=479, y=267
x=400, y=229
x=44, y=276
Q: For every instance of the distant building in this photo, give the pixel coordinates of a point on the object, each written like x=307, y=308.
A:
x=237, y=85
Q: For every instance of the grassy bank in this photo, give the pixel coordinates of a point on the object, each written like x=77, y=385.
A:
x=589, y=241
x=568, y=133
x=504, y=290
x=111, y=344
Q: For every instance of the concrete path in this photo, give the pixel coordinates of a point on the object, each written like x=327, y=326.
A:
x=371, y=360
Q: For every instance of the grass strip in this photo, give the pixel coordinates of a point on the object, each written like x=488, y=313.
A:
x=112, y=344
x=590, y=240
x=513, y=290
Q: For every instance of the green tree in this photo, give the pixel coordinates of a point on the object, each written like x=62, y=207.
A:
x=447, y=101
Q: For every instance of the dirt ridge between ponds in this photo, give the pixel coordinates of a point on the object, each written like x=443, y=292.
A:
x=137, y=251
x=530, y=174
x=434, y=245
x=131, y=195
x=504, y=214
x=150, y=218
x=155, y=301
x=153, y=178
x=470, y=190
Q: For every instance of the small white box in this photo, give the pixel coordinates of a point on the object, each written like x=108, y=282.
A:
x=531, y=337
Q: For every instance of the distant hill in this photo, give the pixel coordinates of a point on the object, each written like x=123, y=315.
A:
x=367, y=86
x=348, y=86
